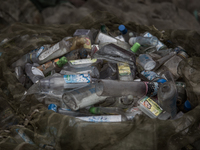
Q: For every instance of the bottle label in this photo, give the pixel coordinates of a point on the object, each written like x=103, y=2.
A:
x=87, y=43
x=48, y=52
x=107, y=118
x=148, y=103
x=124, y=69
x=150, y=75
x=80, y=78
x=159, y=45
x=52, y=107
x=133, y=109
x=120, y=37
x=37, y=72
x=40, y=51
x=83, y=61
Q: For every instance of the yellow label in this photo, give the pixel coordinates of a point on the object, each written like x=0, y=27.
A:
x=151, y=105
x=124, y=69
x=87, y=44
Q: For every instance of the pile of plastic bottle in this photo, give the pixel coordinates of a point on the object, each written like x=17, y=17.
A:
x=106, y=76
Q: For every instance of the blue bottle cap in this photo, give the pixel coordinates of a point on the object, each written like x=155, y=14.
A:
x=122, y=29
x=161, y=81
x=52, y=107
x=187, y=106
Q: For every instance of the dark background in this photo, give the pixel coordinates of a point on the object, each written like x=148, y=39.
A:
x=163, y=14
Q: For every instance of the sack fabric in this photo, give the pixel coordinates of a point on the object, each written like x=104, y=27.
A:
x=35, y=127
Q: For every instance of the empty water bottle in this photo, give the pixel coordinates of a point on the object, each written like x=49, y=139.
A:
x=82, y=97
x=64, y=82
x=144, y=41
x=33, y=73
x=167, y=96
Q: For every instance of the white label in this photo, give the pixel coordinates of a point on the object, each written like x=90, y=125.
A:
x=159, y=45
x=37, y=71
x=109, y=118
x=84, y=72
x=120, y=37
x=48, y=52
x=83, y=61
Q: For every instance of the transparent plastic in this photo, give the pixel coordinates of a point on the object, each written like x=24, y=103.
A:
x=82, y=97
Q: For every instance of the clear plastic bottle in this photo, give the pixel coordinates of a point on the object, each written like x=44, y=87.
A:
x=144, y=41
x=63, y=47
x=162, y=60
x=124, y=72
x=159, y=46
x=122, y=88
x=172, y=64
x=115, y=54
x=53, y=65
x=152, y=76
x=82, y=97
x=167, y=97
x=31, y=57
x=64, y=82
x=146, y=62
x=152, y=109
x=104, y=118
x=33, y=73
x=104, y=39
x=19, y=72
x=109, y=71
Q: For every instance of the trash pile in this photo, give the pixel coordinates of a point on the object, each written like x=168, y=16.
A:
x=106, y=76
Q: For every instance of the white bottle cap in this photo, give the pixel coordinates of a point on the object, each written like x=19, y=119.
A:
x=132, y=40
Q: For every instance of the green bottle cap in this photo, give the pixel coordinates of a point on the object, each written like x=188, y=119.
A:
x=62, y=61
x=103, y=29
x=135, y=47
x=94, y=110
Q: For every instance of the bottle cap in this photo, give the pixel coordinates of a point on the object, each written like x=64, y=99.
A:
x=62, y=61
x=161, y=81
x=135, y=47
x=103, y=29
x=183, y=54
x=187, y=106
x=93, y=110
x=122, y=29
x=132, y=40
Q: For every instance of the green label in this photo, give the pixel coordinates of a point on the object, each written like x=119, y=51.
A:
x=151, y=105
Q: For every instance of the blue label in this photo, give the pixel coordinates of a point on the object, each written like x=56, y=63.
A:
x=52, y=107
x=156, y=86
x=150, y=75
x=40, y=51
x=24, y=136
x=80, y=78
